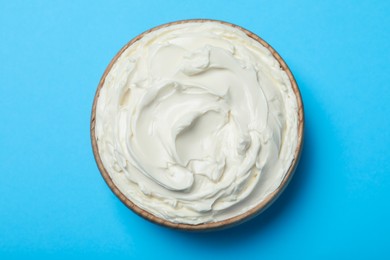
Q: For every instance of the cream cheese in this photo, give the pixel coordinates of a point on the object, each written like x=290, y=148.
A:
x=196, y=122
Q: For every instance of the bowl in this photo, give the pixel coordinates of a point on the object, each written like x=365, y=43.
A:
x=117, y=171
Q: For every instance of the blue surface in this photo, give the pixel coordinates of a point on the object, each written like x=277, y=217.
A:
x=53, y=201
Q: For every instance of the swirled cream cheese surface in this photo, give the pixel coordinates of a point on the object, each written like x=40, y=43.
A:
x=196, y=122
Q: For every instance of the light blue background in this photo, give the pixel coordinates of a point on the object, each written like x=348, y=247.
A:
x=53, y=201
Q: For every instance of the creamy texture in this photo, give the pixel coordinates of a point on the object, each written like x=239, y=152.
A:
x=196, y=122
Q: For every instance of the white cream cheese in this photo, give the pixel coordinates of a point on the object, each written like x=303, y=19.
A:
x=196, y=122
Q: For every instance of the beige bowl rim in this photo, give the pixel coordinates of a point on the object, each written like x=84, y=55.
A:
x=212, y=225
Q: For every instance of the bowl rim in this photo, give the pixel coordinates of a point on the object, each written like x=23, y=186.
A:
x=263, y=205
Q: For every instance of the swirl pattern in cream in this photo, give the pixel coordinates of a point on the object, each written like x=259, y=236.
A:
x=196, y=122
